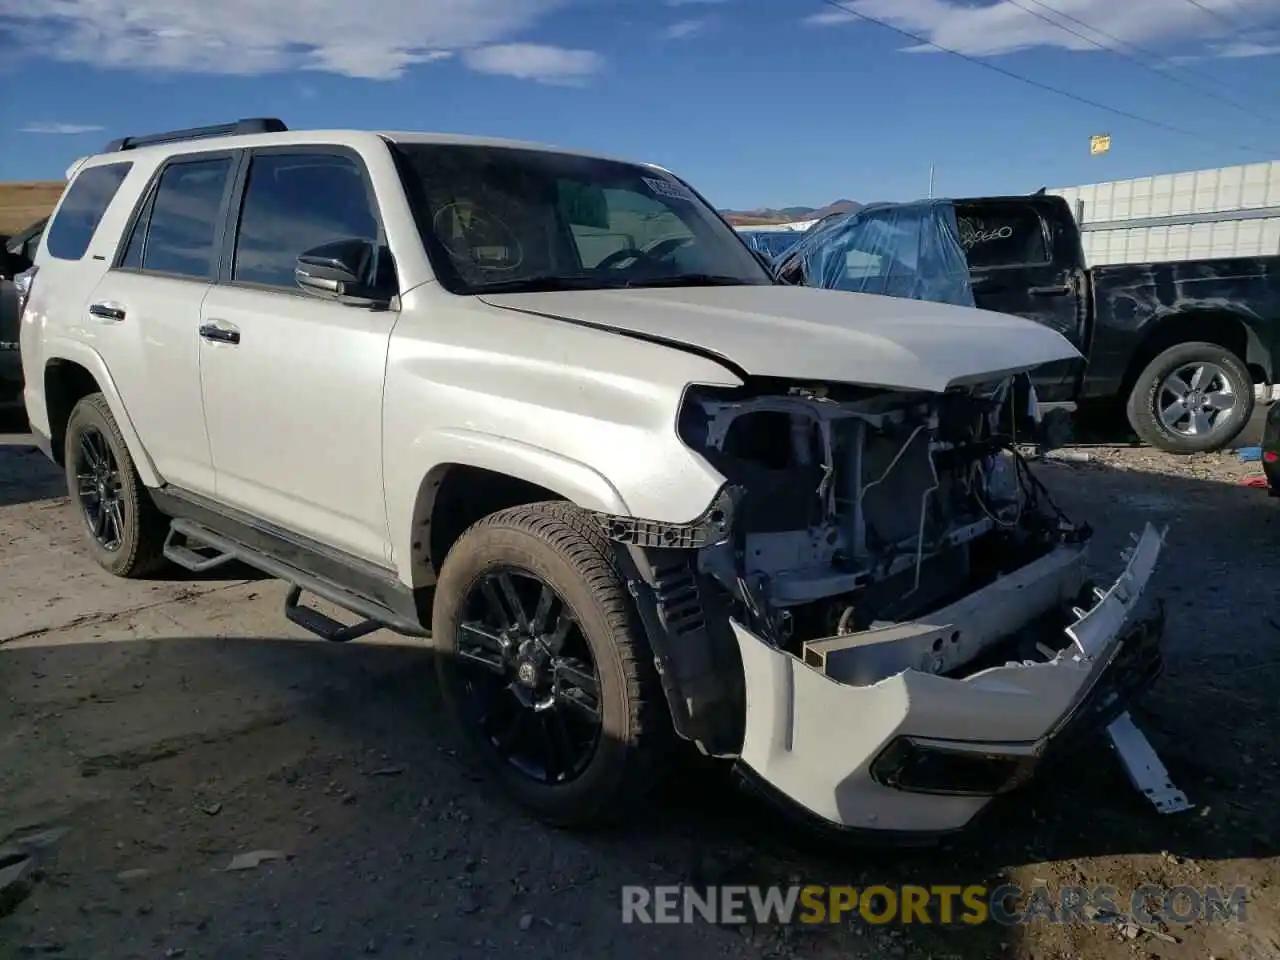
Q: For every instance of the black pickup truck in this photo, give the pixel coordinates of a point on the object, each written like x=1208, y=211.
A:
x=1182, y=343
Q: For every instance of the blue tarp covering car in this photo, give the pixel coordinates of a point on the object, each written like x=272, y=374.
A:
x=910, y=250
x=773, y=243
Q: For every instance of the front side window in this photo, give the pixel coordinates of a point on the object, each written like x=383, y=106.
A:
x=87, y=200
x=179, y=226
x=294, y=202
x=512, y=219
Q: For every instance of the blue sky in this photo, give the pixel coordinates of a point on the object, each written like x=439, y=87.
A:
x=757, y=102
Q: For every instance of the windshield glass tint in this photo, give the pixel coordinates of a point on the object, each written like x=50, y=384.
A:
x=509, y=219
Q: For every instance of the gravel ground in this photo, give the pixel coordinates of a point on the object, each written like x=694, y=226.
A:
x=170, y=726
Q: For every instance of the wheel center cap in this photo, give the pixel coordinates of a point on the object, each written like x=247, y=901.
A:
x=527, y=673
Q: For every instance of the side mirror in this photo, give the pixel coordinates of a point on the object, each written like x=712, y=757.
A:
x=341, y=270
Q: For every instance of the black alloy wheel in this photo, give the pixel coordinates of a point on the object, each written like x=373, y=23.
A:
x=532, y=686
x=99, y=489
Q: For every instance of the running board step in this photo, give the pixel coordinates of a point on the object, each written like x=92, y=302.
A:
x=180, y=549
x=323, y=626
x=373, y=614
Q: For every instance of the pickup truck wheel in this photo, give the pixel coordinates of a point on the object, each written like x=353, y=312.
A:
x=126, y=530
x=1192, y=398
x=545, y=668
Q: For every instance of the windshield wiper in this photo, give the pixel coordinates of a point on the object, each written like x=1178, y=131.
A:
x=690, y=280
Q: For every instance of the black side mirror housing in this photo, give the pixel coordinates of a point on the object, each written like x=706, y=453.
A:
x=340, y=270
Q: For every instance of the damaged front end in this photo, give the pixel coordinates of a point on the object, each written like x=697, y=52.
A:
x=884, y=618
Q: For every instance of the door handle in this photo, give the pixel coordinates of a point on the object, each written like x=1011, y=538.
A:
x=1059, y=290
x=217, y=334
x=106, y=311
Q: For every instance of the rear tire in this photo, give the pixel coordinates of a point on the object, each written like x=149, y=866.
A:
x=1157, y=418
x=124, y=529
x=552, y=547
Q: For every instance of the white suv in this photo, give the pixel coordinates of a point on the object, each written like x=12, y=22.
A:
x=549, y=409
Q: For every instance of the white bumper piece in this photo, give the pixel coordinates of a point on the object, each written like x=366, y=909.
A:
x=815, y=739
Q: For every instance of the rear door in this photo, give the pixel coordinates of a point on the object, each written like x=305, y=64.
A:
x=1024, y=259
x=146, y=311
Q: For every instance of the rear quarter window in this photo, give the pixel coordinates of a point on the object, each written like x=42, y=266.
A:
x=87, y=199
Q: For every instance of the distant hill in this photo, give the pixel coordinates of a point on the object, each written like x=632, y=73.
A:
x=744, y=218
x=22, y=204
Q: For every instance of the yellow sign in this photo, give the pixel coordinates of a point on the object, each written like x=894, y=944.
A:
x=1099, y=143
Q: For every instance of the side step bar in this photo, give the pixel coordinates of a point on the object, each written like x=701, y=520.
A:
x=323, y=626
x=187, y=537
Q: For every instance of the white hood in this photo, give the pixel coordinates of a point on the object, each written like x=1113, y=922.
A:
x=812, y=334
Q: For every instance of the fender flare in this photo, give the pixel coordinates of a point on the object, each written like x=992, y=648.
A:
x=454, y=446
x=73, y=351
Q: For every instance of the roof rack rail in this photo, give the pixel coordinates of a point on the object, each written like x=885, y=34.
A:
x=237, y=127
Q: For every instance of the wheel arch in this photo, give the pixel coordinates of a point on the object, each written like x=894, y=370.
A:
x=476, y=475
x=1224, y=327
x=73, y=371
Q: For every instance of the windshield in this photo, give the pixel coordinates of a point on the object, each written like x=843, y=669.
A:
x=504, y=219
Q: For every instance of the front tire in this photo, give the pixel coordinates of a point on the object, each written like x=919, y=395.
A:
x=1192, y=398
x=545, y=668
x=125, y=531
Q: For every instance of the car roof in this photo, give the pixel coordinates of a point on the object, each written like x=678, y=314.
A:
x=338, y=137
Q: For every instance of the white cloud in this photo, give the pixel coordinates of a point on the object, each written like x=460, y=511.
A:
x=59, y=128
x=1239, y=49
x=1001, y=27
x=374, y=39
x=532, y=61
x=683, y=29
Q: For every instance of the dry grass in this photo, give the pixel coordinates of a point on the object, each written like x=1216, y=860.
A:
x=21, y=204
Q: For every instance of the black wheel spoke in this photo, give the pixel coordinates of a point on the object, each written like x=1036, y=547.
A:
x=546, y=599
x=477, y=658
x=115, y=522
x=517, y=614
x=553, y=758
x=577, y=688
x=90, y=455
x=504, y=727
x=554, y=640
x=560, y=749
x=482, y=647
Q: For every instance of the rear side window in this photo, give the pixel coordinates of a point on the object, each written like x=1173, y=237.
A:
x=178, y=227
x=87, y=200
x=995, y=237
x=294, y=202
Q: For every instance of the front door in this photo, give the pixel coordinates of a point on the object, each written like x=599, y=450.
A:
x=293, y=383
x=1015, y=267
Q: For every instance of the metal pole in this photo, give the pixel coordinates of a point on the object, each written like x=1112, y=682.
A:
x=931, y=181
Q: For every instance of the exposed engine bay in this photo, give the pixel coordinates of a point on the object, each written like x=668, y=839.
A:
x=912, y=619
x=862, y=510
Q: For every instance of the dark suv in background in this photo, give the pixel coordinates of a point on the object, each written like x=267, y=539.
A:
x=17, y=254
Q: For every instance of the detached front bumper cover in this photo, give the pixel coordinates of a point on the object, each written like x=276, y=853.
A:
x=920, y=754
